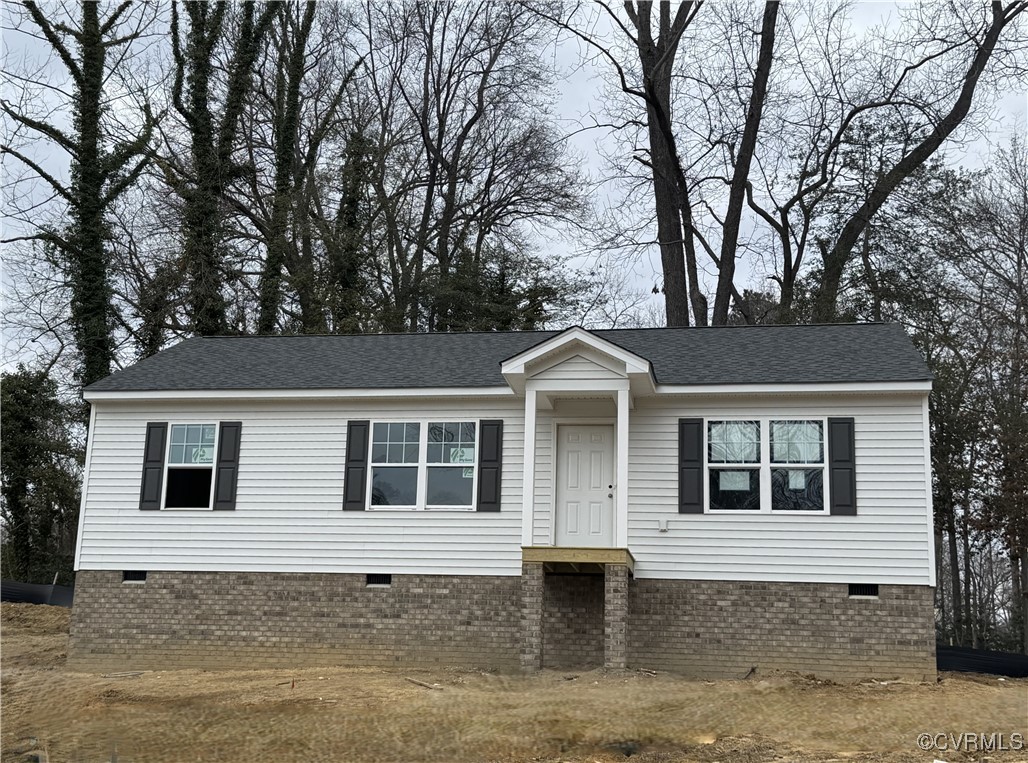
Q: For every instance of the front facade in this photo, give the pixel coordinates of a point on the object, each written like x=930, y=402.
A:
x=705, y=501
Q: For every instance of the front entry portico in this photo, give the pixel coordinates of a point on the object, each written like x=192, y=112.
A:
x=579, y=390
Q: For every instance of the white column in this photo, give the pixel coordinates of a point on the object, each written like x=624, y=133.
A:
x=528, y=482
x=621, y=487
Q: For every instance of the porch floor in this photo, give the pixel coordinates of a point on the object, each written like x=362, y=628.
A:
x=577, y=558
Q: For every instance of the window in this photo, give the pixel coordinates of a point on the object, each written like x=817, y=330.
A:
x=766, y=465
x=394, y=459
x=423, y=464
x=730, y=446
x=800, y=485
x=190, y=474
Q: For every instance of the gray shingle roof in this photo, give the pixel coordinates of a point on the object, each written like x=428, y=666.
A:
x=721, y=355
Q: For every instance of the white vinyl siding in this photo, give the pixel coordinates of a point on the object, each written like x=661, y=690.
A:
x=887, y=542
x=289, y=515
x=576, y=368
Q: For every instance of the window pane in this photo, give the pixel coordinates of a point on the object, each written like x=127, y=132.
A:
x=380, y=433
x=193, y=434
x=467, y=431
x=178, y=454
x=436, y=432
x=797, y=442
x=734, y=488
x=378, y=452
x=178, y=433
x=396, y=432
x=450, y=486
x=733, y=442
x=207, y=437
x=412, y=432
x=435, y=453
x=394, y=485
x=189, y=489
x=410, y=454
x=797, y=489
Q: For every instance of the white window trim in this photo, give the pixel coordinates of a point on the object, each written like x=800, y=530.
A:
x=422, y=465
x=765, y=467
x=212, y=466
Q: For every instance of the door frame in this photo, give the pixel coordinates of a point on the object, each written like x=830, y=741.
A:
x=558, y=422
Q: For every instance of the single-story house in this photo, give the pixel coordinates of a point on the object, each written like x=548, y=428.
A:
x=699, y=500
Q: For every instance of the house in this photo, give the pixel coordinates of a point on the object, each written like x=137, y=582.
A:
x=699, y=500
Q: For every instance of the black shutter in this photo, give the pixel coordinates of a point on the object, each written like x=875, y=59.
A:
x=153, y=466
x=690, y=466
x=490, y=462
x=842, y=464
x=355, y=477
x=227, y=466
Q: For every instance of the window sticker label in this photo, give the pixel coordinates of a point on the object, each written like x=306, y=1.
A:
x=734, y=480
x=469, y=473
x=462, y=456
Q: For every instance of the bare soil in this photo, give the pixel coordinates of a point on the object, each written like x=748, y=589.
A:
x=351, y=714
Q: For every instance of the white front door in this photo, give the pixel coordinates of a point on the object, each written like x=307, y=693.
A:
x=585, y=486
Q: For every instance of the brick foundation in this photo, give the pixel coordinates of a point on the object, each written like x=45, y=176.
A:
x=239, y=620
x=699, y=628
x=722, y=629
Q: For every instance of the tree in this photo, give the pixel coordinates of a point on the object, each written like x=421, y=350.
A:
x=40, y=478
x=102, y=169
x=292, y=64
x=464, y=153
x=212, y=133
x=981, y=42
x=757, y=120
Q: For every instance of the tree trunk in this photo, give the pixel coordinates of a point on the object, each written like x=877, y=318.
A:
x=954, y=571
x=292, y=63
x=90, y=287
x=741, y=171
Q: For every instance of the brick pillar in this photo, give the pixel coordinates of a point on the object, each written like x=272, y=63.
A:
x=615, y=616
x=531, y=616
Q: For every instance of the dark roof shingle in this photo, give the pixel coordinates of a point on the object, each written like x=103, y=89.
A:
x=689, y=356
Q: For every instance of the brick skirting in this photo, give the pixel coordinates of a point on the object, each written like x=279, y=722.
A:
x=270, y=619
x=699, y=628
x=719, y=629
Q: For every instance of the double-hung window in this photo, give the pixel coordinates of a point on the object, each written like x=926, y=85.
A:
x=190, y=466
x=423, y=465
x=769, y=465
x=733, y=455
x=797, y=465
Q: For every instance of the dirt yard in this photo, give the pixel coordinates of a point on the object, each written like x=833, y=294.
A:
x=346, y=714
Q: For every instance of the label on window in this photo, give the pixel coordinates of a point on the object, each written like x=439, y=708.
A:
x=469, y=473
x=797, y=480
x=462, y=456
x=734, y=480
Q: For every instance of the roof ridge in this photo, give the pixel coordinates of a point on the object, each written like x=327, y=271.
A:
x=546, y=331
